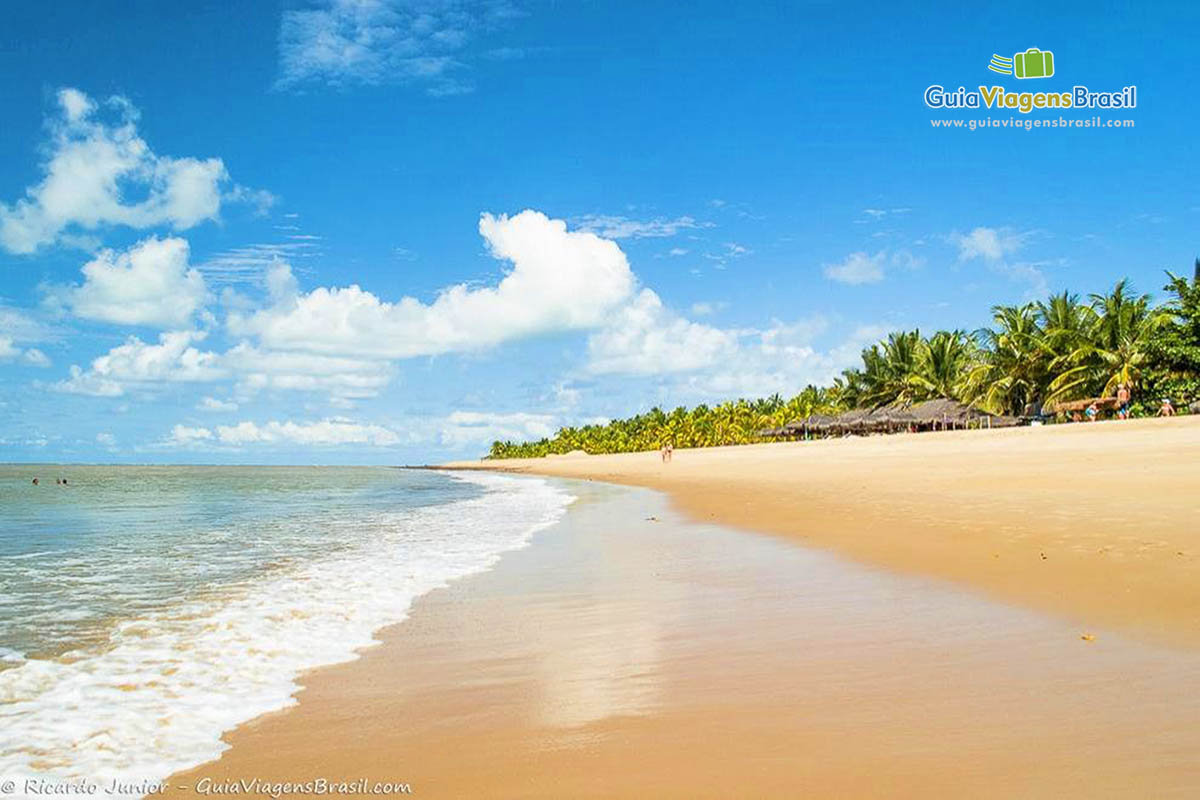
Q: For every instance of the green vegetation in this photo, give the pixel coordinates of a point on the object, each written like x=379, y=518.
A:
x=1055, y=350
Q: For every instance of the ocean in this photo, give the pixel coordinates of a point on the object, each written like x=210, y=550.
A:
x=146, y=610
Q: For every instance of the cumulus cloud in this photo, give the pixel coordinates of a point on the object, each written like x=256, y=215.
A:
x=335, y=431
x=463, y=428
x=342, y=378
x=858, y=268
x=646, y=338
x=349, y=42
x=782, y=358
x=216, y=404
x=19, y=329
x=182, y=435
x=174, y=359
x=148, y=284
x=991, y=244
x=700, y=361
x=10, y=350
x=96, y=163
x=560, y=280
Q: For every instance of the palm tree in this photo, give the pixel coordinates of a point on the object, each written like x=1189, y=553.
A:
x=1059, y=348
x=945, y=359
x=1115, y=350
x=1013, y=370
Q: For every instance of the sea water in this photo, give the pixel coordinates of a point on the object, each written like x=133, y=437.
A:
x=146, y=610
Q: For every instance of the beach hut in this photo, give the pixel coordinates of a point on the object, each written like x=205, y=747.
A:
x=1074, y=408
x=946, y=414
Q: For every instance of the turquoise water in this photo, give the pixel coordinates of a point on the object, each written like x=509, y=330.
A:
x=115, y=542
x=146, y=610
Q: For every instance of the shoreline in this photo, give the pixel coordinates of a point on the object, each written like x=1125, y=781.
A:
x=629, y=652
x=1092, y=522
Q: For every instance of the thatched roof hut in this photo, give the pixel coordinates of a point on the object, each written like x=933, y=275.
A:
x=1070, y=406
x=813, y=423
x=937, y=414
x=946, y=413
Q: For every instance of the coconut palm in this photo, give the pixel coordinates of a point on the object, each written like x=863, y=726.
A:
x=1013, y=370
x=1059, y=348
x=1115, y=349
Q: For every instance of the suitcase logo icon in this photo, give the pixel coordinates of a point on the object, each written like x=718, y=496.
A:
x=1033, y=63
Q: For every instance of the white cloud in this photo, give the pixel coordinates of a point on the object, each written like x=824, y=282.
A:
x=148, y=284
x=334, y=431
x=677, y=251
x=35, y=358
x=782, y=358
x=182, y=435
x=617, y=227
x=728, y=251
x=646, y=338
x=19, y=328
x=348, y=42
x=463, y=428
x=106, y=439
x=250, y=264
x=858, y=268
x=561, y=280
x=173, y=359
x=342, y=378
x=706, y=308
x=92, y=165
x=991, y=244
x=696, y=360
x=216, y=404
x=260, y=201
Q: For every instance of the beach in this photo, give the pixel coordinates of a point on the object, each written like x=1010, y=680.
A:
x=632, y=652
x=974, y=613
x=1095, y=523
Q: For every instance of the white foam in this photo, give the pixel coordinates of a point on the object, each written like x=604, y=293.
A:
x=158, y=698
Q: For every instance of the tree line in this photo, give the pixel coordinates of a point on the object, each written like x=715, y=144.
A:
x=1058, y=349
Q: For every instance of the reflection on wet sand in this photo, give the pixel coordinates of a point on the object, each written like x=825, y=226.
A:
x=620, y=657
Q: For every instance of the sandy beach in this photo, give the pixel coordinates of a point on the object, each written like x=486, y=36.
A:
x=635, y=651
x=1096, y=523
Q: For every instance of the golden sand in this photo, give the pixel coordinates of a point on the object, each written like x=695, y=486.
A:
x=1098, y=522
x=631, y=653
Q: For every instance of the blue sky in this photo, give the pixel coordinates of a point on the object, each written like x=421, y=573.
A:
x=389, y=232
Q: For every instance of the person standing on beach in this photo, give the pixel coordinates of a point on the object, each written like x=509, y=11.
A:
x=1166, y=410
x=1123, y=401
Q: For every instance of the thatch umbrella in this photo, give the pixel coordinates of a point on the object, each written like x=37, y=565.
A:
x=944, y=412
x=818, y=423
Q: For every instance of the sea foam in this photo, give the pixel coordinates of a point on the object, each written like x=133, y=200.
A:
x=157, y=698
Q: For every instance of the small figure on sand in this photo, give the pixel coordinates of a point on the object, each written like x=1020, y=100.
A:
x=1123, y=401
x=1092, y=412
x=667, y=451
x=1166, y=409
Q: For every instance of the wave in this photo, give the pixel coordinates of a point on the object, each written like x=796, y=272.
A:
x=157, y=698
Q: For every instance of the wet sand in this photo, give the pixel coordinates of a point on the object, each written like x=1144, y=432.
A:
x=630, y=653
x=1098, y=523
